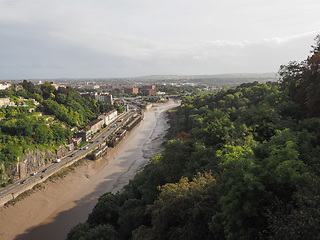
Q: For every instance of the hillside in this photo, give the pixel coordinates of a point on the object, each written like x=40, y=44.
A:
x=40, y=118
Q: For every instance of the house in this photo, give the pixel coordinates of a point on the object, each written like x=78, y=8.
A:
x=4, y=85
x=95, y=125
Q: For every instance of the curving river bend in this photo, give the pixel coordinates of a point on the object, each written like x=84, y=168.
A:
x=51, y=213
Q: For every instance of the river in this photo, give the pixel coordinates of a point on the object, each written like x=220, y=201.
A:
x=50, y=213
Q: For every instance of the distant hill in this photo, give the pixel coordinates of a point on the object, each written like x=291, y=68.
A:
x=219, y=80
x=271, y=75
x=216, y=80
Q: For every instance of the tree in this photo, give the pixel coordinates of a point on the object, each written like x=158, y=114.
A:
x=183, y=210
x=47, y=89
x=83, y=231
x=302, y=81
x=28, y=86
x=105, y=212
x=242, y=194
x=42, y=134
x=316, y=46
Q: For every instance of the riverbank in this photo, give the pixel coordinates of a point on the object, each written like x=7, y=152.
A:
x=173, y=123
x=42, y=203
x=50, y=212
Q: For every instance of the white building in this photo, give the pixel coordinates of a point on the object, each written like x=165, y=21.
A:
x=4, y=85
x=109, y=116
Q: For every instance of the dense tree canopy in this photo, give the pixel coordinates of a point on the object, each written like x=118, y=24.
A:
x=245, y=165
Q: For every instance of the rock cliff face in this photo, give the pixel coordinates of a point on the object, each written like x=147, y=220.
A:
x=34, y=161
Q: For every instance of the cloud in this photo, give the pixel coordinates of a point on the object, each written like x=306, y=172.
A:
x=49, y=39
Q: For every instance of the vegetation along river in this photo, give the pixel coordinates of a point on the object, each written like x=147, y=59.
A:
x=51, y=212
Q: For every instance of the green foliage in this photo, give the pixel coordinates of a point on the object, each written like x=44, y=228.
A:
x=261, y=145
x=21, y=130
x=241, y=194
x=301, y=81
x=47, y=90
x=105, y=212
x=183, y=209
x=83, y=231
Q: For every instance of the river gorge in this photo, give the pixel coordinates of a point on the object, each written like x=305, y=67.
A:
x=51, y=212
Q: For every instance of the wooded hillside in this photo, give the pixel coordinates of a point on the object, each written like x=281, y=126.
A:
x=46, y=126
x=244, y=165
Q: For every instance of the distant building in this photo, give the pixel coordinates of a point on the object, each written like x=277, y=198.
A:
x=148, y=87
x=131, y=90
x=56, y=86
x=108, y=99
x=149, y=92
x=105, y=98
x=4, y=85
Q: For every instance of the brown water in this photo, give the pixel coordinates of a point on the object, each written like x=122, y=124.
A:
x=52, y=212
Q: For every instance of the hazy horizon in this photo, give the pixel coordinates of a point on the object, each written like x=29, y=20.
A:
x=162, y=77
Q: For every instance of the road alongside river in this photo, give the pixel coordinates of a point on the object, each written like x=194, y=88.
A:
x=29, y=182
x=51, y=212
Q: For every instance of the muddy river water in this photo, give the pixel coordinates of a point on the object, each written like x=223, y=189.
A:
x=50, y=213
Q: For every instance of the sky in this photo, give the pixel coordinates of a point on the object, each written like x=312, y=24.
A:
x=130, y=38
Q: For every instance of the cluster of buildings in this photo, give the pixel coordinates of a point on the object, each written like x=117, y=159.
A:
x=146, y=90
x=5, y=102
x=103, y=120
x=86, y=134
